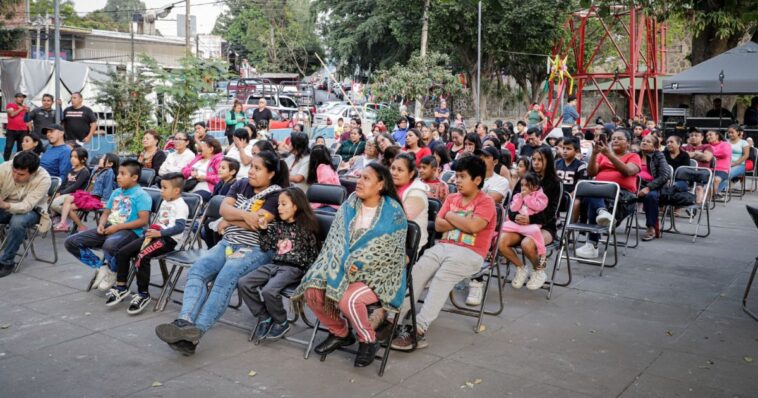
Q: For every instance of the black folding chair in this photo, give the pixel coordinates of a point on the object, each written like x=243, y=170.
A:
x=336, y=160
x=490, y=270
x=753, y=211
x=693, y=176
x=326, y=194
x=434, y=208
x=155, y=196
x=180, y=260
x=413, y=238
x=147, y=177
x=194, y=205
x=752, y=174
x=609, y=192
x=33, y=232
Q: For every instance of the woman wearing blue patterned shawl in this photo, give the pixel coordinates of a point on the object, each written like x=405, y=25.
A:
x=362, y=262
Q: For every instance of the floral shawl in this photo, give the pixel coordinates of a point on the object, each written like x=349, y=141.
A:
x=378, y=254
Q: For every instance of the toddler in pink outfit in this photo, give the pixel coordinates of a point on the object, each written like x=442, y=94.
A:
x=531, y=200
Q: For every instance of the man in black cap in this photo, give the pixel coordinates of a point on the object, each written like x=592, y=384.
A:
x=57, y=158
x=80, y=122
x=16, y=127
x=42, y=117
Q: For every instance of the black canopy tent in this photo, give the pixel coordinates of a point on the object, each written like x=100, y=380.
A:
x=737, y=68
x=740, y=76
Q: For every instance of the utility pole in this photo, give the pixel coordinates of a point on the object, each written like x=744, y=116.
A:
x=187, y=33
x=28, y=33
x=479, y=67
x=424, y=43
x=57, y=56
x=131, y=34
x=47, y=35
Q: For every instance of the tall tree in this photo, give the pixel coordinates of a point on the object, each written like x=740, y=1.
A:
x=273, y=36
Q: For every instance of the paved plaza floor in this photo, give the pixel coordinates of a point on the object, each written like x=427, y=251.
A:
x=665, y=323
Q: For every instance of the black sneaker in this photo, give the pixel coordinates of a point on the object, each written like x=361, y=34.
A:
x=278, y=330
x=115, y=296
x=366, y=354
x=6, y=269
x=178, y=330
x=138, y=304
x=333, y=342
x=264, y=325
x=185, y=347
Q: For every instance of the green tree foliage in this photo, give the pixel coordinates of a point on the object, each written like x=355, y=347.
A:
x=127, y=98
x=273, y=35
x=420, y=78
x=383, y=32
x=114, y=16
x=185, y=90
x=371, y=33
x=9, y=38
x=717, y=25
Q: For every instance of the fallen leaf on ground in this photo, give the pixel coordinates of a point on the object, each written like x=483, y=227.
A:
x=252, y=373
x=469, y=384
x=668, y=332
x=709, y=362
x=156, y=384
x=5, y=326
x=478, y=381
x=87, y=313
x=748, y=359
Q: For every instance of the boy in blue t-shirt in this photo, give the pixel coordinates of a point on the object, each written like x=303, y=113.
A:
x=124, y=219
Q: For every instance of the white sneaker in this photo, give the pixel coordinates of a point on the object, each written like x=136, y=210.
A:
x=604, y=218
x=475, y=293
x=587, y=251
x=99, y=276
x=537, y=279
x=521, y=274
x=108, y=281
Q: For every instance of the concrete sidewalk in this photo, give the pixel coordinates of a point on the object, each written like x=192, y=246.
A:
x=666, y=322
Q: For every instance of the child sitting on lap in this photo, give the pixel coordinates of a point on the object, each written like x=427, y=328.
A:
x=294, y=239
x=531, y=200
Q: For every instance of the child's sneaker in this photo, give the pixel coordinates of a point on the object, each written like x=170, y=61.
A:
x=115, y=295
x=475, y=292
x=521, y=274
x=139, y=302
x=261, y=331
x=99, y=276
x=278, y=330
x=108, y=280
x=537, y=279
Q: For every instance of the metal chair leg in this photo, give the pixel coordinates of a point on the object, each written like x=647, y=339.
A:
x=747, y=291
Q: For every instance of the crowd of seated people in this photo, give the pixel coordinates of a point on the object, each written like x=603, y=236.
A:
x=267, y=236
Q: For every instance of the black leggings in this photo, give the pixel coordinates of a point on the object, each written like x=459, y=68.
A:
x=155, y=248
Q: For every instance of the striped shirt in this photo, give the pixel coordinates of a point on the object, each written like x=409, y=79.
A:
x=246, y=199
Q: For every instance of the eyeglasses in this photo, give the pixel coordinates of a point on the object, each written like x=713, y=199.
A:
x=180, y=139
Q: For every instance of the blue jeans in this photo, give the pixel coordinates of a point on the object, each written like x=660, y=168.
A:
x=650, y=204
x=224, y=272
x=18, y=224
x=593, y=205
x=80, y=246
x=735, y=172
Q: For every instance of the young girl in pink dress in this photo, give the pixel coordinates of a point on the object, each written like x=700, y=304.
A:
x=531, y=200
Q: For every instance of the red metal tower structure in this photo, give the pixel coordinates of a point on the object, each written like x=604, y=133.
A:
x=638, y=41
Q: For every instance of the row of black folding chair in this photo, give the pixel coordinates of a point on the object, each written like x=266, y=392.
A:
x=32, y=233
